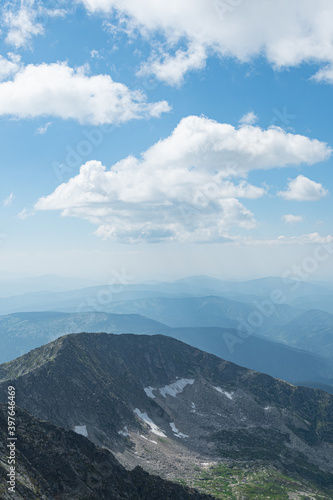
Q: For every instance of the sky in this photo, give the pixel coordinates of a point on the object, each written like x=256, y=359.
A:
x=157, y=140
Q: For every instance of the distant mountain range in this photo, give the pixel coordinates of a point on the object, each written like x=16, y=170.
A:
x=167, y=406
x=274, y=358
x=311, y=330
x=10, y=286
x=206, y=311
x=299, y=294
x=263, y=307
x=21, y=332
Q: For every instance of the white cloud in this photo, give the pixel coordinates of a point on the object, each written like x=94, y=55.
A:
x=43, y=128
x=324, y=75
x=23, y=22
x=61, y=91
x=181, y=187
x=303, y=189
x=25, y=213
x=285, y=33
x=172, y=68
x=292, y=219
x=95, y=54
x=9, y=66
x=303, y=239
x=9, y=200
x=248, y=119
x=137, y=200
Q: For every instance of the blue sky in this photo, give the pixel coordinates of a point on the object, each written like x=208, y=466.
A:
x=172, y=139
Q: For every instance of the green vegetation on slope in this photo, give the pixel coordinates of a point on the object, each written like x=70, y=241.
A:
x=254, y=482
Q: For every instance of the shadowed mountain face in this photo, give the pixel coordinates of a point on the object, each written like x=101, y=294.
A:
x=125, y=390
x=54, y=464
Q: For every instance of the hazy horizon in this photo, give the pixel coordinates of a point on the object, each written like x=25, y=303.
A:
x=19, y=284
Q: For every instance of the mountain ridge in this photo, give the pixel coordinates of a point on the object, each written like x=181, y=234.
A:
x=22, y=332
x=139, y=392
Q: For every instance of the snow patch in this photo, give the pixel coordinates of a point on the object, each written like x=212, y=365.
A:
x=124, y=433
x=228, y=394
x=176, y=387
x=267, y=408
x=149, y=391
x=153, y=427
x=150, y=440
x=207, y=465
x=81, y=429
x=176, y=431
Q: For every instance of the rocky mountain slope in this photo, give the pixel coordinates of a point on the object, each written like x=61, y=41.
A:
x=160, y=403
x=54, y=464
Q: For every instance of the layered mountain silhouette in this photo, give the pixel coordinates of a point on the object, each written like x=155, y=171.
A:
x=160, y=403
x=29, y=297
x=312, y=330
x=294, y=365
x=22, y=332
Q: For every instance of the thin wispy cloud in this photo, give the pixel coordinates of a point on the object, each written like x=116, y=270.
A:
x=303, y=239
x=292, y=219
x=7, y=202
x=249, y=119
x=25, y=20
x=43, y=128
x=172, y=68
x=25, y=213
x=21, y=23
